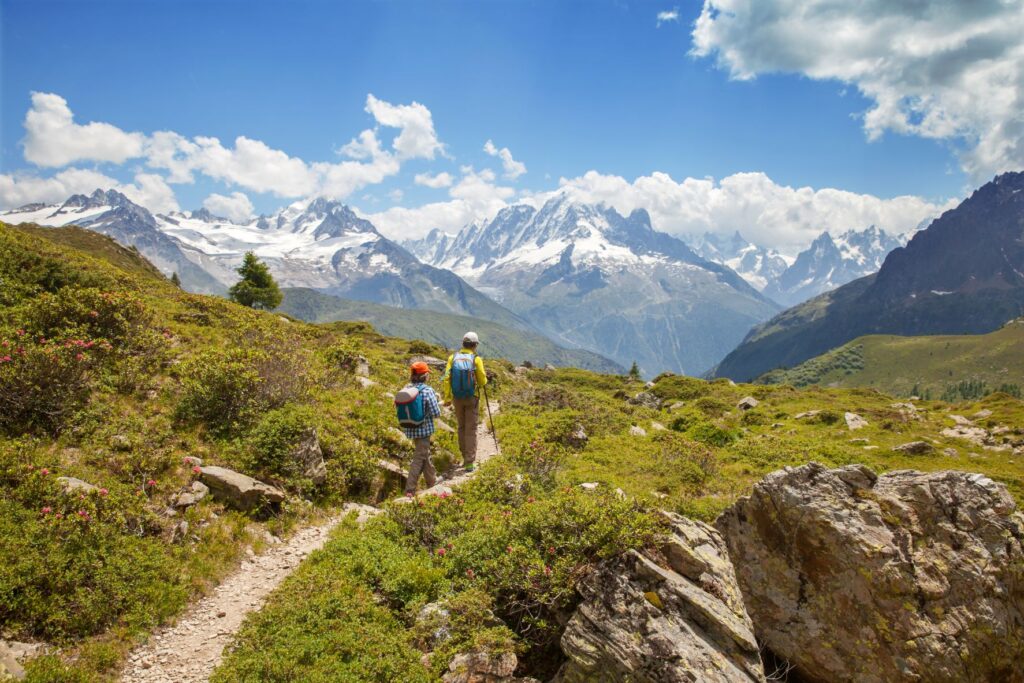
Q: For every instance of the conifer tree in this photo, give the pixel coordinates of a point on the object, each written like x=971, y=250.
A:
x=634, y=372
x=175, y=280
x=257, y=288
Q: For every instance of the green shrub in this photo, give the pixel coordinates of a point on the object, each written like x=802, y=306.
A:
x=419, y=347
x=826, y=417
x=710, y=434
x=228, y=388
x=680, y=388
x=685, y=419
x=710, y=406
x=275, y=437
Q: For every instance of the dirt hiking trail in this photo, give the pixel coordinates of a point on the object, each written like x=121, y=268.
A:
x=189, y=651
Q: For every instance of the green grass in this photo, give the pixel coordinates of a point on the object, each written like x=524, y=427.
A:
x=926, y=365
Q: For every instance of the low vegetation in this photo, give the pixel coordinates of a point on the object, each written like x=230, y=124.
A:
x=112, y=375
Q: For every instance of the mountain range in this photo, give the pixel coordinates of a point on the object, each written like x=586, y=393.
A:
x=827, y=263
x=589, y=277
x=963, y=274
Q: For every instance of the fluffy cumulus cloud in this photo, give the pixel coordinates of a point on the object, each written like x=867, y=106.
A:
x=434, y=181
x=236, y=207
x=668, y=15
x=950, y=69
x=475, y=197
x=149, y=190
x=53, y=139
x=513, y=168
x=766, y=213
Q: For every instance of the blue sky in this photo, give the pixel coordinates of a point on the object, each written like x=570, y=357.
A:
x=567, y=87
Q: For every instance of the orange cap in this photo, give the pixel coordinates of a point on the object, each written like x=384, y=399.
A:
x=420, y=368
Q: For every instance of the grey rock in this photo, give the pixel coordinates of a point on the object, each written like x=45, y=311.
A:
x=806, y=414
x=12, y=655
x=238, y=490
x=636, y=430
x=193, y=495
x=433, y=362
x=308, y=458
x=855, y=421
x=362, y=512
x=748, y=403
x=71, y=485
x=549, y=366
x=646, y=399
x=642, y=622
x=362, y=367
x=484, y=667
x=521, y=370
x=915, y=448
x=908, y=576
x=365, y=382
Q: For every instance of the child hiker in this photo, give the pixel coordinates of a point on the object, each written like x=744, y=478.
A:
x=416, y=405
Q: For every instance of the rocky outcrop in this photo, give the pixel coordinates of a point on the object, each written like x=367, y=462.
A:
x=909, y=576
x=647, y=400
x=484, y=667
x=915, y=448
x=195, y=493
x=309, y=458
x=748, y=403
x=663, y=617
x=855, y=421
x=71, y=485
x=238, y=490
x=12, y=655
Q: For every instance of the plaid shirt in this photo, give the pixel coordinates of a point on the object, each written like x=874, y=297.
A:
x=431, y=409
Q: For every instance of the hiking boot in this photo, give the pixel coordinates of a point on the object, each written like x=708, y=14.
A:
x=470, y=467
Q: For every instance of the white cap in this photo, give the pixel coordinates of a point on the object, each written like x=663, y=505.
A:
x=470, y=338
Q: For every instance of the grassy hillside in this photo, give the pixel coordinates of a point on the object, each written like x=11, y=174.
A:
x=111, y=375
x=443, y=329
x=950, y=366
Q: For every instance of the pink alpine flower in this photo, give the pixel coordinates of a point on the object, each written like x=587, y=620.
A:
x=547, y=570
x=441, y=552
x=84, y=515
x=104, y=492
x=196, y=470
x=44, y=471
x=470, y=573
x=151, y=483
x=47, y=510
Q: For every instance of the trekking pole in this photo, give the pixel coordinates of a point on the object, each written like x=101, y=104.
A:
x=490, y=417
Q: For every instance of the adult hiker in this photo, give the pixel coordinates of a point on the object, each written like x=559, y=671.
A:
x=464, y=378
x=416, y=406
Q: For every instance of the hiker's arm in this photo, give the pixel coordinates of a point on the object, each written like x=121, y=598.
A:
x=446, y=384
x=432, y=406
x=481, y=374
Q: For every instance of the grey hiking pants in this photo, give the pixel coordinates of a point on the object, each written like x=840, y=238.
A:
x=420, y=465
x=466, y=412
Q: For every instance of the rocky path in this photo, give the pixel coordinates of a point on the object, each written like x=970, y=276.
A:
x=190, y=650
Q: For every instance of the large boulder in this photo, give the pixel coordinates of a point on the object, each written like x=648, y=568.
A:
x=484, y=667
x=239, y=490
x=309, y=458
x=908, y=576
x=666, y=616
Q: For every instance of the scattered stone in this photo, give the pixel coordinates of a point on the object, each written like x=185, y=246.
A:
x=393, y=468
x=960, y=420
x=72, y=485
x=521, y=370
x=193, y=461
x=309, y=458
x=362, y=512
x=807, y=414
x=12, y=654
x=871, y=448
x=120, y=442
x=658, y=427
x=431, y=361
x=982, y=414
x=906, y=576
x=647, y=400
x=221, y=614
x=640, y=621
x=400, y=436
x=748, y=403
x=650, y=385
x=908, y=411
x=549, y=366
x=915, y=448
x=362, y=367
x=578, y=438
x=239, y=490
x=975, y=435
x=195, y=493
x=636, y=430
x=951, y=452
x=860, y=440
x=855, y=421
x=179, y=532
x=589, y=485
x=365, y=382
x=676, y=406
x=484, y=667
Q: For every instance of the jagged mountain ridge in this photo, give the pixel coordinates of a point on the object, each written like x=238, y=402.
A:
x=589, y=276
x=963, y=274
x=758, y=265
x=321, y=244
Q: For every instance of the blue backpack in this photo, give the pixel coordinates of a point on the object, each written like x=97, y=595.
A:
x=409, y=407
x=463, y=375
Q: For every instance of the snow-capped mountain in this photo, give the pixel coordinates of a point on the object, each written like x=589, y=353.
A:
x=831, y=262
x=319, y=244
x=755, y=264
x=591, y=277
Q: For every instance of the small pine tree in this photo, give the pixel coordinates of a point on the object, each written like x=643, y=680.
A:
x=257, y=288
x=634, y=372
x=175, y=280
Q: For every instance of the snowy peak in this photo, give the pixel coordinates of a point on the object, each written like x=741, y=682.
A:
x=757, y=265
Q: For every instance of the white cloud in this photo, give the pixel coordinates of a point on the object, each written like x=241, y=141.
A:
x=668, y=15
x=149, y=190
x=52, y=138
x=951, y=70
x=237, y=207
x=396, y=195
x=513, y=168
x=779, y=216
x=417, y=139
x=475, y=197
x=434, y=181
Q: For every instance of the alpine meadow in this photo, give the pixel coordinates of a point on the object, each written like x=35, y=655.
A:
x=511, y=342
